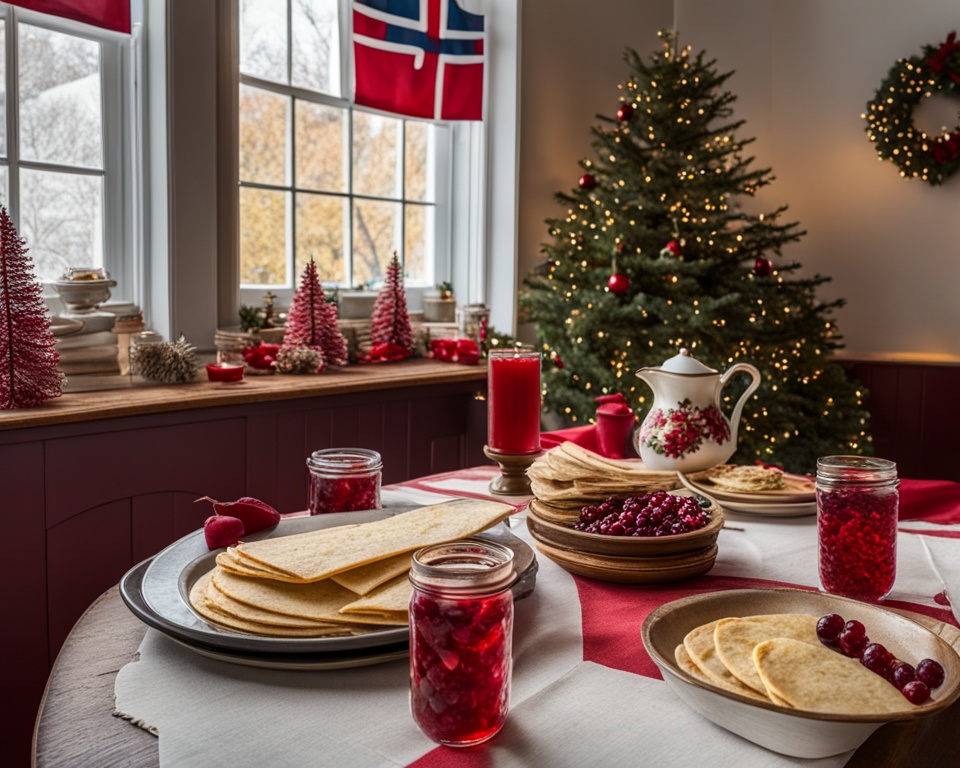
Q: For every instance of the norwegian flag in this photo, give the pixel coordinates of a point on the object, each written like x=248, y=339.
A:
x=418, y=58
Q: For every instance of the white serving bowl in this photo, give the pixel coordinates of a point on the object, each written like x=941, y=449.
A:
x=83, y=296
x=796, y=732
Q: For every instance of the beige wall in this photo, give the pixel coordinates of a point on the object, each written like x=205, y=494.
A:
x=803, y=73
x=571, y=60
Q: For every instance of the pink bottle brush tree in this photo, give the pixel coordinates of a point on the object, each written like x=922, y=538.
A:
x=390, y=332
x=28, y=351
x=312, y=323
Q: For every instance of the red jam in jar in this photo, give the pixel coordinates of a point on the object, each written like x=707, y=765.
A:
x=461, y=635
x=857, y=510
x=344, y=480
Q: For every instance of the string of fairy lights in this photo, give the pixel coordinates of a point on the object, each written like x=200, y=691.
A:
x=609, y=210
x=889, y=114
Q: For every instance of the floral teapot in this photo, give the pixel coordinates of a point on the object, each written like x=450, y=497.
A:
x=685, y=430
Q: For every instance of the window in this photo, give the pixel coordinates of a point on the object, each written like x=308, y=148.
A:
x=320, y=179
x=65, y=163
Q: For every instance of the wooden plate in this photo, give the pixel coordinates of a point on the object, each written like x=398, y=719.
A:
x=565, y=537
x=631, y=570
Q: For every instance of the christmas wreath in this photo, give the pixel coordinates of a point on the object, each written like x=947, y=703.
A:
x=889, y=114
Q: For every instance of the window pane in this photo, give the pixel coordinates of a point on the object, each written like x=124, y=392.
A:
x=320, y=139
x=376, y=142
x=4, y=187
x=316, y=45
x=61, y=218
x=60, y=98
x=418, y=162
x=418, y=246
x=263, y=39
x=263, y=237
x=320, y=230
x=376, y=235
x=263, y=136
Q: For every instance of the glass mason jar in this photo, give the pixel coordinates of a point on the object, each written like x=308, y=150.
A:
x=461, y=636
x=344, y=480
x=857, y=512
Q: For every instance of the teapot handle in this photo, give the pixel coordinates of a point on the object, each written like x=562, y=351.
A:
x=754, y=383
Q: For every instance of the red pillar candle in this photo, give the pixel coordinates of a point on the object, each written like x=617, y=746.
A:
x=513, y=401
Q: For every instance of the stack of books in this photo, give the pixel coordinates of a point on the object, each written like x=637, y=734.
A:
x=94, y=348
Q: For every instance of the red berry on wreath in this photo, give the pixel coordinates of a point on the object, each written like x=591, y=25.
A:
x=618, y=283
x=763, y=267
x=625, y=113
x=587, y=182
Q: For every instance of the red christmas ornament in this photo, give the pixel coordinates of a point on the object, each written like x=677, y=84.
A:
x=763, y=267
x=587, y=182
x=625, y=113
x=674, y=247
x=618, y=283
x=557, y=361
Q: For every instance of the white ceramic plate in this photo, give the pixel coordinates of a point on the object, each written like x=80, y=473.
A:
x=799, y=489
x=792, y=731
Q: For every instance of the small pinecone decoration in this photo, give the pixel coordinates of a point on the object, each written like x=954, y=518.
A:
x=168, y=362
x=298, y=360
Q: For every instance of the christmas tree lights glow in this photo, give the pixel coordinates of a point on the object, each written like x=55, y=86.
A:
x=655, y=253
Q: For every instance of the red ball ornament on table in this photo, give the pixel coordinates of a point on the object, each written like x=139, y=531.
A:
x=587, y=182
x=625, y=113
x=763, y=267
x=618, y=283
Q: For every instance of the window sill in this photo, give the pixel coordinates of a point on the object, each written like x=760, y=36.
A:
x=134, y=397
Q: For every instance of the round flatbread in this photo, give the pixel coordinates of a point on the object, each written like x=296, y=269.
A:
x=702, y=652
x=817, y=679
x=735, y=639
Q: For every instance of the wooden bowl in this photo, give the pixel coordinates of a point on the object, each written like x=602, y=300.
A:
x=632, y=570
x=565, y=537
x=790, y=731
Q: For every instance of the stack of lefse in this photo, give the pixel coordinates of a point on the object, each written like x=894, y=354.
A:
x=779, y=659
x=346, y=580
x=570, y=477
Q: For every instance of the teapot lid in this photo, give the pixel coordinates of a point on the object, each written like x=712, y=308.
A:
x=685, y=364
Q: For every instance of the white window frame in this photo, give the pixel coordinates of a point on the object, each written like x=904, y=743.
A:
x=445, y=157
x=483, y=216
x=120, y=65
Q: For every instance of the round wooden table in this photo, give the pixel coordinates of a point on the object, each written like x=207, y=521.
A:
x=76, y=727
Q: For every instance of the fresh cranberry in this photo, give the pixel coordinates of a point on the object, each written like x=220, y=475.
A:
x=930, y=673
x=916, y=692
x=829, y=628
x=876, y=658
x=852, y=642
x=903, y=673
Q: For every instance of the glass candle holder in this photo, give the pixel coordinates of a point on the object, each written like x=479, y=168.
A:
x=513, y=401
x=461, y=637
x=857, y=514
x=344, y=480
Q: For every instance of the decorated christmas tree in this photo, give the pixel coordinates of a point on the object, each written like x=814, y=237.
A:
x=312, y=323
x=657, y=253
x=28, y=352
x=390, y=333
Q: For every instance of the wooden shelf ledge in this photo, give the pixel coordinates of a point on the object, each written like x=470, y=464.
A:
x=134, y=396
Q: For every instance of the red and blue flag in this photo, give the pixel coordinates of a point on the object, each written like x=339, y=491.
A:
x=418, y=58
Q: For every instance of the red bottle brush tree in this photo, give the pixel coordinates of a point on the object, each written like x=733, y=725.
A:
x=390, y=331
x=312, y=323
x=28, y=351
